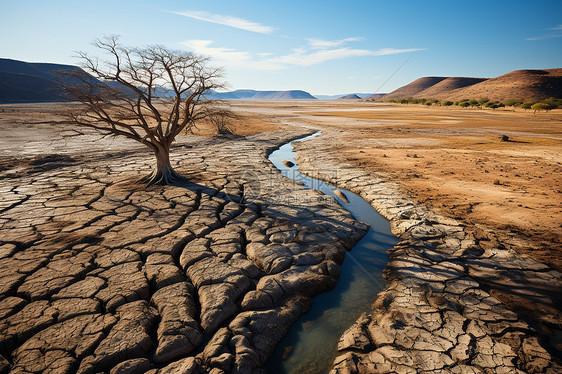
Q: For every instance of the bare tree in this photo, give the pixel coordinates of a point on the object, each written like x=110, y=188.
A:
x=149, y=95
x=222, y=118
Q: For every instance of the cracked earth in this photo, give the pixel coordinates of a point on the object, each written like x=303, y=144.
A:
x=98, y=274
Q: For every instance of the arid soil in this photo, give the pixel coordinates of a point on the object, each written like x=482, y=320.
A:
x=467, y=207
x=454, y=161
x=454, y=302
x=98, y=274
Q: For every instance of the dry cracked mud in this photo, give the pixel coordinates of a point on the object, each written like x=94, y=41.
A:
x=458, y=298
x=99, y=274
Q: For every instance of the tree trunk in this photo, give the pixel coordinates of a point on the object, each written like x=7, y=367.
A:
x=164, y=174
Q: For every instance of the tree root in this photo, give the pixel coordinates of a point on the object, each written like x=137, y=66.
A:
x=163, y=178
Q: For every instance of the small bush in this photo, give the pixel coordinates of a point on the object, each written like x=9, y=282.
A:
x=514, y=103
x=553, y=102
x=541, y=106
x=493, y=104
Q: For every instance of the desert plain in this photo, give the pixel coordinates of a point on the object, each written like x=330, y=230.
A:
x=99, y=274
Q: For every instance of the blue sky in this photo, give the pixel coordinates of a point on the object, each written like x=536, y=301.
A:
x=323, y=47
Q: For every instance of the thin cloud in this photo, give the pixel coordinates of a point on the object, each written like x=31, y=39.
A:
x=394, y=51
x=302, y=57
x=547, y=36
x=323, y=44
x=231, y=57
x=556, y=34
x=231, y=21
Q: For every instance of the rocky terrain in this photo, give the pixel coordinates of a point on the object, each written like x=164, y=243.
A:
x=99, y=274
x=451, y=291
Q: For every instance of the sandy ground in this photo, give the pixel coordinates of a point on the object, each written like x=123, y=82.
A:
x=453, y=160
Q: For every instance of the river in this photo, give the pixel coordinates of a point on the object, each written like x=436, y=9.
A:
x=311, y=344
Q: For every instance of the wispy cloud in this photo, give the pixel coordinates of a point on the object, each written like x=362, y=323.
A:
x=231, y=57
x=394, y=51
x=231, y=21
x=317, y=52
x=547, y=36
x=304, y=57
x=555, y=32
x=322, y=44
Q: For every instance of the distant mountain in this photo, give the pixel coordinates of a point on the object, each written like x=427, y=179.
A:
x=23, y=88
x=376, y=96
x=214, y=95
x=446, y=86
x=24, y=82
x=333, y=97
x=519, y=84
x=260, y=95
x=287, y=95
x=349, y=97
x=412, y=89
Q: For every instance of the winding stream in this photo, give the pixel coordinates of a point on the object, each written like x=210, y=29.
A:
x=311, y=344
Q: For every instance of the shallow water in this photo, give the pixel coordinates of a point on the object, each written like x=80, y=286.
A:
x=311, y=344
